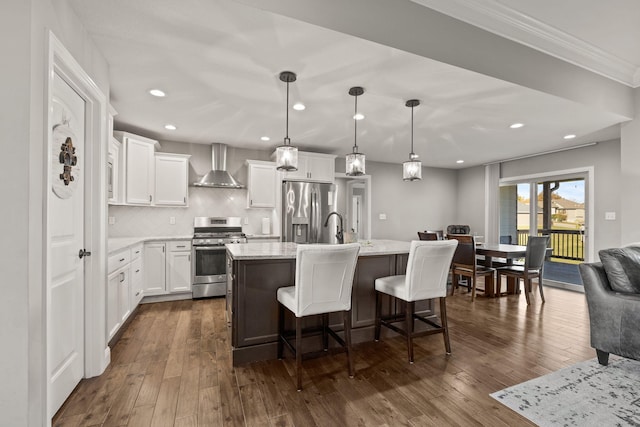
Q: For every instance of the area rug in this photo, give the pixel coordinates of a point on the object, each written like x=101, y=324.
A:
x=584, y=394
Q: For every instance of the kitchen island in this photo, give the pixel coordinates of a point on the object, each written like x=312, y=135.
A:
x=256, y=270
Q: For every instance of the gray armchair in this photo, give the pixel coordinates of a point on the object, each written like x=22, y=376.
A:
x=614, y=316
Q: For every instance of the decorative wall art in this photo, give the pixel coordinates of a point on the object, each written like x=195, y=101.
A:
x=64, y=167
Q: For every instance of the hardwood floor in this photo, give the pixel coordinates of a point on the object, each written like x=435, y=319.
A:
x=172, y=366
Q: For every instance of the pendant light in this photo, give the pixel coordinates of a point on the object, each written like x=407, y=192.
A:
x=287, y=154
x=412, y=168
x=355, y=162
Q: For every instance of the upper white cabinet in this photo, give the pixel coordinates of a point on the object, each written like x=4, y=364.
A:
x=171, y=179
x=114, y=163
x=315, y=167
x=139, y=167
x=262, y=184
x=149, y=178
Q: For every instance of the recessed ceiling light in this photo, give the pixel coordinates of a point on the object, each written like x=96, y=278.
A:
x=459, y=161
x=264, y=138
x=157, y=92
x=299, y=106
x=359, y=116
x=170, y=127
x=516, y=125
x=570, y=136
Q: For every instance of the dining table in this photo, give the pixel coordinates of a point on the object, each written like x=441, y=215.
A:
x=508, y=253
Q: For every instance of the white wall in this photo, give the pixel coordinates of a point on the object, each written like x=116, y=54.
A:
x=24, y=27
x=410, y=206
x=470, y=199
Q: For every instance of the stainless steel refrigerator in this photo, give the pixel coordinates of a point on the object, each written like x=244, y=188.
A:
x=305, y=208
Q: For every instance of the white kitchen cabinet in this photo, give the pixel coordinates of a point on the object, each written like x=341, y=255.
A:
x=167, y=267
x=262, y=184
x=179, y=271
x=139, y=173
x=113, y=172
x=154, y=268
x=136, y=276
x=316, y=167
x=113, y=321
x=171, y=179
x=124, y=293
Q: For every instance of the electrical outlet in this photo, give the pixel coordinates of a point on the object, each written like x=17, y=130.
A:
x=382, y=216
x=112, y=220
x=610, y=216
x=246, y=220
x=172, y=220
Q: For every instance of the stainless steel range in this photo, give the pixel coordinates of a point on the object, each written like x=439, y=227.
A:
x=209, y=269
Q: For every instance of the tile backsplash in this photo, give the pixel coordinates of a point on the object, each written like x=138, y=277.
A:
x=137, y=221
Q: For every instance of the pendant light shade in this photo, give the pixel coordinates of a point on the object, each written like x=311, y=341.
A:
x=355, y=161
x=412, y=168
x=287, y=154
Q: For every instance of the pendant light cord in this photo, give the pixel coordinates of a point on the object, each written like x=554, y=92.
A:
x=287, y=141
x=411, y=131
x=355, y=127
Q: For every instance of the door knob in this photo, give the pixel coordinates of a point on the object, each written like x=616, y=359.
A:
x=83, y=253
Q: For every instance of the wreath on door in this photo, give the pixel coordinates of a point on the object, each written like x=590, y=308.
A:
x=65, y=168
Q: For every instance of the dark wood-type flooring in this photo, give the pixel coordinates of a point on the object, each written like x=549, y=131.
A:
x=172, y=367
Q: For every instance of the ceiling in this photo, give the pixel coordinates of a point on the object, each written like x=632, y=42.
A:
x=219, y=61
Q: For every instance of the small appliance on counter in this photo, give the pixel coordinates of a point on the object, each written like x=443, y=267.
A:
x=209, y=268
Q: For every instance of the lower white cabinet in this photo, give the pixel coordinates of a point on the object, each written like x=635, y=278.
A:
x=125, y=272
x=137, y=282
x=154, y=267
x=167, y=267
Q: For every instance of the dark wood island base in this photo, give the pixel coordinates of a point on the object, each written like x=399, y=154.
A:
x=252, y=307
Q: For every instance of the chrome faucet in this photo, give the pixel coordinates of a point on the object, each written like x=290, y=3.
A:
x=340, y=230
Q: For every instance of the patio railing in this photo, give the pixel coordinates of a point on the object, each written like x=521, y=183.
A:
x=566, y=244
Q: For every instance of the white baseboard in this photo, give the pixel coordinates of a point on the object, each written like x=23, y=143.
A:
x=563, y=285
x=164, y=298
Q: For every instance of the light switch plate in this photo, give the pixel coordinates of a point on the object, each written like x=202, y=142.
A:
x=112, y=220
x=610, y=216
x=382, y=216
x=172, y=220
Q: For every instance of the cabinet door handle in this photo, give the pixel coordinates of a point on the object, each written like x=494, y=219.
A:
x=150, y=198
x=185, y=200
x=138, y=252
x=122, y=277
x=180, y=246
x=138, y=271
x=163, y=249
x=189, y=258
x=121, y=259
x=137, y=293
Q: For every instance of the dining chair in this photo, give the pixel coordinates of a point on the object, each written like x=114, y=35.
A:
x=532, y=268
x=439, y=233
x=458, y=229
x=323, y=284
x=465, y=264
x=426, y=235
x=425, y=279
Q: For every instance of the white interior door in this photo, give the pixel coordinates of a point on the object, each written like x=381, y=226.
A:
x=65, y=293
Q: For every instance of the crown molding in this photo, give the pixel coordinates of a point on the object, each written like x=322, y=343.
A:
x=495, y=17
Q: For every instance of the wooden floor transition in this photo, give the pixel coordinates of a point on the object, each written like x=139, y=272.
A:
x=172, y=367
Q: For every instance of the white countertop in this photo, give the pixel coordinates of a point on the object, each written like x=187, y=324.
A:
x=287, y=250
x=117, y=243
x=263, y=236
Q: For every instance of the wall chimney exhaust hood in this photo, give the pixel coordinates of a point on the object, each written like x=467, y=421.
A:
x=218, y=177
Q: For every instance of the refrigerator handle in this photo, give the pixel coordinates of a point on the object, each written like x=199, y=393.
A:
x=313, y=226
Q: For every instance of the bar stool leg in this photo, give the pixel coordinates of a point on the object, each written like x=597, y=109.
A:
x=299, y=352
x=445, y=325
x=280, y=330
x=409, y=320
x=347, y=340
x=378, y=314
x=325, y=334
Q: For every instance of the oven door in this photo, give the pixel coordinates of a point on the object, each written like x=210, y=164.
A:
x=210, y=264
